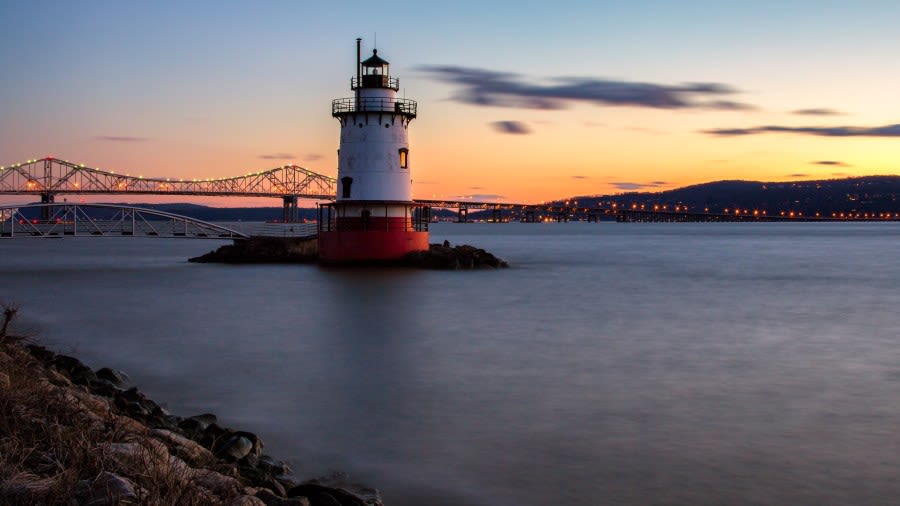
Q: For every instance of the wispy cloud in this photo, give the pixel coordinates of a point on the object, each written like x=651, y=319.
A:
x=479, y=196
x=817, y=112
x=511, y=127
x=837, y=131
x=621, y=185
x=833, y=163
x=505, y=89
x=120, y=138
x=277, y=156
x=797, y=175
x=312, y=157
x=580, y=177
x=476, y=188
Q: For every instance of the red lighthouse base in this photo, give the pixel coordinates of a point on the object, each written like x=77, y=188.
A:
x=356, y=234
x=369, y=246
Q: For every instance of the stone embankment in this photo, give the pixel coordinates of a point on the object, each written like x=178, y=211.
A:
x=257, y=250
x=72, y=435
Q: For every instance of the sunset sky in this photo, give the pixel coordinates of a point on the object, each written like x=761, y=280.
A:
x=521, y=101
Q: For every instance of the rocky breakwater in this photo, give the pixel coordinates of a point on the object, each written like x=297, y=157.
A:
x=446, y=257
x=262, y=250
x=72, y=435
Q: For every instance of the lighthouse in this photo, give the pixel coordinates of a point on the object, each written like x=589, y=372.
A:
x=373, y=217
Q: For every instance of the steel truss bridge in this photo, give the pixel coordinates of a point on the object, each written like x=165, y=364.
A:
x=48, y=177
x=105, y=220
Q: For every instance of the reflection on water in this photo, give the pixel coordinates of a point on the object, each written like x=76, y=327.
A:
x=612, y=364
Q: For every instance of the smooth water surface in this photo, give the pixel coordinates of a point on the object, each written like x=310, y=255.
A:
x=612, y=364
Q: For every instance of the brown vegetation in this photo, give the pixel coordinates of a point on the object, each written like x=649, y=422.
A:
x=71, y=436
x=60, y=444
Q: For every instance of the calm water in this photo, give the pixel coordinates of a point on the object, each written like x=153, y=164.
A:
x=613, y=364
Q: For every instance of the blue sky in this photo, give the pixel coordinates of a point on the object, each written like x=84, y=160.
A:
x=205, y=89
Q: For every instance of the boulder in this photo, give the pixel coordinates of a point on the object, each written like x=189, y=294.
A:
x=270, y=499
x=246, y=500
x=41, y=353
x=235, y=448
x=106, y=489
x=336, y=490
x=115, y=378
x=445, y=257
x=272, y=466
x=183, y=447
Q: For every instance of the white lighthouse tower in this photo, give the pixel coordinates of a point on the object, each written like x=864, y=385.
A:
x=373, y=217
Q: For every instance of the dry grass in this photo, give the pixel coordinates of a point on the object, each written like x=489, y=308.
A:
x=54, y=436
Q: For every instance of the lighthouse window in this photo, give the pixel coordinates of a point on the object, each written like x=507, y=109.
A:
x=404, y=158
x=346, y=183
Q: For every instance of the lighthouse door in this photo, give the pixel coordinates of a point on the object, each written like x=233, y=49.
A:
x=346, y=183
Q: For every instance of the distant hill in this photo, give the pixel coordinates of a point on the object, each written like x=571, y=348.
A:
x=860, y=194
x=868, y=194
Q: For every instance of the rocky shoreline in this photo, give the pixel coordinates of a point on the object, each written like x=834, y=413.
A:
x=72, y=435
x=268, y=250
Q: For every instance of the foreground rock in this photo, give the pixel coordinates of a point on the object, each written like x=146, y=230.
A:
x=445, y=257
x=69, y=435
x=264, y=250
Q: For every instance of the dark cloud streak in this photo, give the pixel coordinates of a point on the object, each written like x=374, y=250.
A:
x=833, y=163
x=817, y=112
x=504, y=89
x=479, y=196
x=511, y=127
x=277, y=156
x=837, y=131
x=627, y=185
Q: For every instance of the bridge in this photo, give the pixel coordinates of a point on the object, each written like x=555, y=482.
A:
x=48, y=177
x=110, y=220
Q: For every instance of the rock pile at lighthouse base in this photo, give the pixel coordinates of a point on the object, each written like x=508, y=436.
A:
x=285, y=250
x=71, y=435
x=445, y=257
x=264, y=250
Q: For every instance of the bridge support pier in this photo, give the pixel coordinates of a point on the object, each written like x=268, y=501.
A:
x=497, y=215
x=290, y=213
x=530, y=216
x=46, y=212
x=462, y=216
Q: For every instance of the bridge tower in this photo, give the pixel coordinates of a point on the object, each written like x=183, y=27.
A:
x=373, y=217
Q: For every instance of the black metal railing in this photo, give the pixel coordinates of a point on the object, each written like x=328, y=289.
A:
x=352, y=105
x=375, y=81
x=374, y=218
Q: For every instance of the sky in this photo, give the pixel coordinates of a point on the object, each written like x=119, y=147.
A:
x=521, y=101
